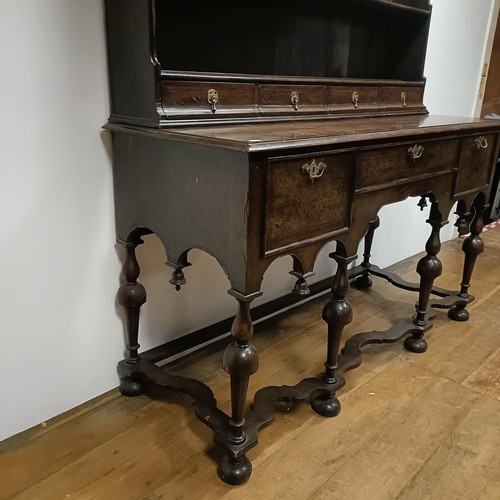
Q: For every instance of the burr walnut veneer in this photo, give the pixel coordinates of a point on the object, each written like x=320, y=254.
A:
x=270, y=137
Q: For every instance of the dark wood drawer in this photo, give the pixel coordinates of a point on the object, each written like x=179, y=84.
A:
x=231, y=97
x=286, y=98
x=186, y=99
x=476, y=161
x=401, y=97
x=347, y=97
x=300, y=208
x=394, y=165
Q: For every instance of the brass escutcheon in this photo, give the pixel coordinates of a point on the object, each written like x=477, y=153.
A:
x=294, y=99
x=481, y=142
x=416, y=152
x=355, y=98
x=314, y=170
x=213, y=99
x=403, y=98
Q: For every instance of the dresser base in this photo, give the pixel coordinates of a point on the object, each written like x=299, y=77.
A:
x=144, y=376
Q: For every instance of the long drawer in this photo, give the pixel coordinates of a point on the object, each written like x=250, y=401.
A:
x=230, y=99
x=386, y=166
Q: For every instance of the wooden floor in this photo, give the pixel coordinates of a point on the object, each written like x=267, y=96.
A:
x=412, y=426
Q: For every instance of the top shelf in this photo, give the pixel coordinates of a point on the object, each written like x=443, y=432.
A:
x=411, y=6
x=370, y=39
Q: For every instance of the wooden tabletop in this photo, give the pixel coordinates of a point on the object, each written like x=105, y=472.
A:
x=259, y=137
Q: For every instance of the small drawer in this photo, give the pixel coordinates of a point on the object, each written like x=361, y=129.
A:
x=287, y=98
x=308, y=199
x=227, y=96
x=401, y=97
x=342, y=97
x=394, y=165
x=476, y=162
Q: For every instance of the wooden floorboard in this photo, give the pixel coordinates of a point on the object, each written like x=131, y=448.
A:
x=412, y=426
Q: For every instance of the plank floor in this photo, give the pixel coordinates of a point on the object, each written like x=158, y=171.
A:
x=412, y=426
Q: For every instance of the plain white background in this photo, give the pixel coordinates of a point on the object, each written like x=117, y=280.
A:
x=61, y=332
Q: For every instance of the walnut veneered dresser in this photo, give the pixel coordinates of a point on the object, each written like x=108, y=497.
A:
x=260, y=129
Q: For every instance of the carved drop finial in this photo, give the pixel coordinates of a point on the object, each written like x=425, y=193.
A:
x=422, y=203
x=178, y=279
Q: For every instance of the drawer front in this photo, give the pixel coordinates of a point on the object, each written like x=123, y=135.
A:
x=189, y=95
x=308, y=198
x=395, y=165
x=288, y=98
x=476, y=162
x=345, y=97
x=401, y=97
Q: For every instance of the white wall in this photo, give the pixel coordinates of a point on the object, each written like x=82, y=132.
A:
x=455, y=56
x=487, y=51
x=59, y=327
x=61, y=331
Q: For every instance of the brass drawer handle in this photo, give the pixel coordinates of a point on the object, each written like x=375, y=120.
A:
x=481, y=142
x=294, y=99
x=314, y=170
x=355, y=98
x=213, y=99
x=416, y=152
x=403, y=98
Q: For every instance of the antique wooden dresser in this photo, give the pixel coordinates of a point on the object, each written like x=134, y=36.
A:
x=255, y=130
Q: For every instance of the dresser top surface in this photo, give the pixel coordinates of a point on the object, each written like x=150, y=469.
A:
x=316, y=133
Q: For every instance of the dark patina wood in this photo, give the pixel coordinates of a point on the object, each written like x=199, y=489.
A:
x=251, y=148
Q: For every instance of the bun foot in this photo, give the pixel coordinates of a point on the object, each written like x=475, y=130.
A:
x=326, y=407
x=457, y=313
x=130, y=388
x=362, y=282
x=235, y=470
x=415, y=345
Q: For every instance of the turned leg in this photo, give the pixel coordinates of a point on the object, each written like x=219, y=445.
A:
x=240, y=361
x=472, y=247
x=337, y=313
x=429, y=268
x=131, y=295
x=364, y=281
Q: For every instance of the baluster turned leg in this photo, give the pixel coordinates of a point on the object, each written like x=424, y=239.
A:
x=364, y=281
x=131, y=295
x=337, y=313
x=429, y=268
x=472, y=247
x=240, y=361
